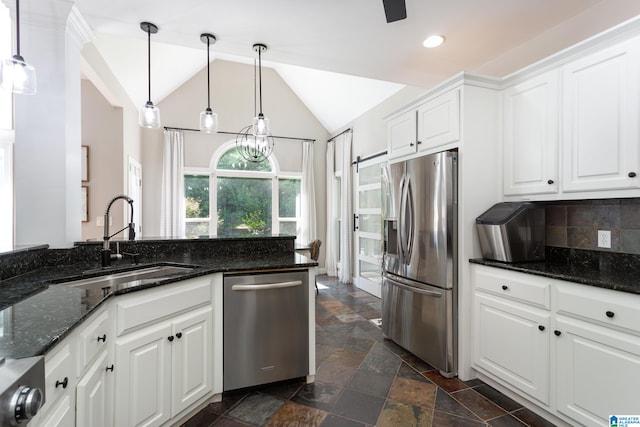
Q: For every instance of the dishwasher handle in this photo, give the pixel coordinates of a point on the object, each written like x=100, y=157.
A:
x=266, y=286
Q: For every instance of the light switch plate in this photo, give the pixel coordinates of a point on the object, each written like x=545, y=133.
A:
x=604, y=239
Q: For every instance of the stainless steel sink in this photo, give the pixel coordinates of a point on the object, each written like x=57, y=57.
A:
x=128, y=279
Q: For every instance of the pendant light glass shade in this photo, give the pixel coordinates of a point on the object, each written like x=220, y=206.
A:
x=149, y=116
x=16, y=75
x=255, y=142
x=208, y=119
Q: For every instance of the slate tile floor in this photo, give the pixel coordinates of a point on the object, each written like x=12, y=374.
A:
x=364, y=380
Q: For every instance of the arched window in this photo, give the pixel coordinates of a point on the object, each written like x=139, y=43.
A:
x=235, y=197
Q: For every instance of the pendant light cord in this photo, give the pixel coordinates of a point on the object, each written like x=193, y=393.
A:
x=149, y=61
x=208, y=77
x=260, y=74
x=18, y=28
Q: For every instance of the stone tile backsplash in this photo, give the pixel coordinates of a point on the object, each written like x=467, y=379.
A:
x=575, y=224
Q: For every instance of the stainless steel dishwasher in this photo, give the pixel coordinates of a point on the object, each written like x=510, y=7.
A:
x=266, y=328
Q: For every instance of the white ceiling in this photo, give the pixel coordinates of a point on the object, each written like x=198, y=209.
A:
x=340, y=49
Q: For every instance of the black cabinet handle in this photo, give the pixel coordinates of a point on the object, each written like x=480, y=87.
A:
x=419, y=142
x=557, y=332
x=102, y=338
x=170, y=338
x=550, y=182
x=63, y=383
x=632, y=174
x=179, y=335
x=411, y=144
x=610, y=314
x=542, y=328
x=109, y=368
x=505, y=287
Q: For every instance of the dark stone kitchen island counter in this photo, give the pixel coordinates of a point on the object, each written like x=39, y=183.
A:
x=607, y=270
x=37, y=313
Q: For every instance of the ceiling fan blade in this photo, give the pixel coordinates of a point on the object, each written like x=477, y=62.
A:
x=395, y=10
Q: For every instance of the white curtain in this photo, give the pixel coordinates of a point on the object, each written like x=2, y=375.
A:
x=172, y=210
x=331, y=243
x=307, y=195
x=346, y=211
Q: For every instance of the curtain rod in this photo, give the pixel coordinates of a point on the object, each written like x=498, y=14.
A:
x=235, y=133
x=341, y=133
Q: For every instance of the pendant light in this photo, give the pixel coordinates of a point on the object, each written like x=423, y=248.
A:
x=208, y=119
x=149, y=114
x=260, y=123
x=16, y=75
x=255, y=142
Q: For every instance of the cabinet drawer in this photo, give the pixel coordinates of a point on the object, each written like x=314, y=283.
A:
x=616, y=309
x=59, y=372
x=137, y=310
x=516, y=286
x=92, y=338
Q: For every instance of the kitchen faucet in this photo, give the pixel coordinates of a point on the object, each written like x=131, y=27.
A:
x=107, y=257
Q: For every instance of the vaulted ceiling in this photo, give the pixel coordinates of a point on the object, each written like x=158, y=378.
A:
x=341, y=49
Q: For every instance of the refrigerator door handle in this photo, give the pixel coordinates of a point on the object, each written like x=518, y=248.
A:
x=410, y=214
x=401, y=218
x=417, y=290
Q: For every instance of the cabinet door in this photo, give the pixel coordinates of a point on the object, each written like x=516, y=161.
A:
x=531, y=136
x=143, y=380
x=598, y=371
x=402, y=135
x=62, y=414
x=512, y=343
x=439, y=121
x=600, y=120
x=94, y=395
x=192, y=358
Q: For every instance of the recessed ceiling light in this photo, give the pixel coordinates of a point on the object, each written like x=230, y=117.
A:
x=433, y=41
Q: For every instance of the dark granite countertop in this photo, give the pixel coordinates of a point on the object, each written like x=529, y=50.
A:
x=36, y=313
x=607, y=270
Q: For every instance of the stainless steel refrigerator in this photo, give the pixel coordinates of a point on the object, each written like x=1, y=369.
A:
x=419, y=286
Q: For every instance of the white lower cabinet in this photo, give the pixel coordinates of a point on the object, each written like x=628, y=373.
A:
x=598, y=370
x=164, y=368
x=94, y=394
x=61, y=414
x=590, y=339
x=512, y=342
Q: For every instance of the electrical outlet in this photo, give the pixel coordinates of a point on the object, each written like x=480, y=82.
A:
x=604, y=239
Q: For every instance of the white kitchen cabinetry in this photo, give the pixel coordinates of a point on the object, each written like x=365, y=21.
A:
x=163, y=353
x=600, y=120
x=531, y=136
x=590, y=339
x=511, y=333
x=428, y=125
x=94, y=395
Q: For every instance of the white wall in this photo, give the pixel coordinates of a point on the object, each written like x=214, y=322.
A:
x=232, y=95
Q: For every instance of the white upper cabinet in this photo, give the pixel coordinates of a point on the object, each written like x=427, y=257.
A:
x=402, y=134
x=600, y=120
x=439, y=121
x=531, y=136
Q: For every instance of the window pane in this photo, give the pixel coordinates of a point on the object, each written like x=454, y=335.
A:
x=289, y=228
x=196, y=229
x=196, y=194
x=370, y=223
x=233, y=160
x=289, y=198
x=6, y=110
x=370, y=199
x=369, y=175
x=244, y=206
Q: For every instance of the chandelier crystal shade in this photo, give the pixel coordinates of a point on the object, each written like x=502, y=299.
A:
x=255, y=142
x=208, y=119
x=149, y=114
x=16, y=75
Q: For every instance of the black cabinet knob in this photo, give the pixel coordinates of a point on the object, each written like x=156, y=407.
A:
x=610, y=314
x=411, y=144
x=109, y=368
x=505, y=287
x=419, y=142
x=63, y=383
x=550, y=182
x=541, y=327
x=557, y=332
x=170, y=338
x=632, y=174
x=102, y=338
x=179, y=335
